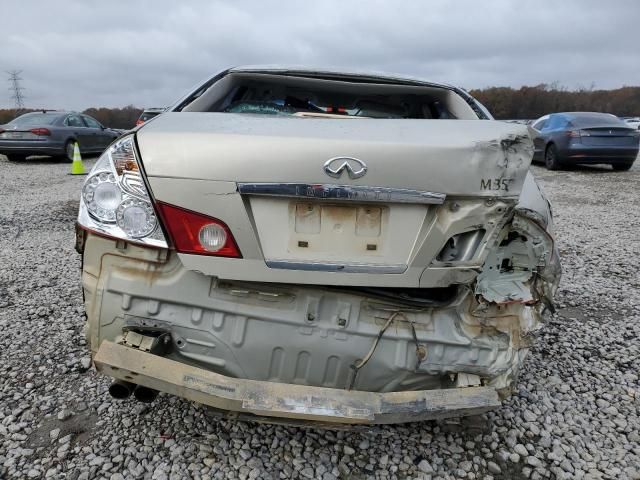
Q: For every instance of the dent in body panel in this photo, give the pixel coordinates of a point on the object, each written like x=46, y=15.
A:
x=503, y=161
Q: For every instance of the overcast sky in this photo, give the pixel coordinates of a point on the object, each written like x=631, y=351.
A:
x=78, y=54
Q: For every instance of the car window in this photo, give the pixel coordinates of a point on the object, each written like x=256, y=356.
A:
x=540, y=124
x=326, y=95
x=596, y=120
x=91, y=123
x=484, y=109
x=34, y=119
x=555, y=122
x=147, y=116
x=73, y=121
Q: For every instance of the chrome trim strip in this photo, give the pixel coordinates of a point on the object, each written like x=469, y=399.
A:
x=355, y=193
x=335, y=267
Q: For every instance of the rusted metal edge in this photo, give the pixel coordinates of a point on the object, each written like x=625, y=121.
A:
x=283, y=400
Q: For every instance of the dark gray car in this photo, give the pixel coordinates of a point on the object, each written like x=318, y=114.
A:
x=576, y=138
x=53, y=133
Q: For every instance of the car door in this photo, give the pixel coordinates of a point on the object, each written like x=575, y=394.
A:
x=539, y=141
x=101, y=136
x=80, y=131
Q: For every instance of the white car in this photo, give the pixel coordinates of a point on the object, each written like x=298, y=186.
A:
x=633, y=122
x=319, y=246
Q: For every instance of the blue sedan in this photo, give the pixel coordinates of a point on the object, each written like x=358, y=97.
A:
x=578, y=138
x=54, y=134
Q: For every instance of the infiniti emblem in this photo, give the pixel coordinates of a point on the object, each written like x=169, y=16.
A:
x=354, y=167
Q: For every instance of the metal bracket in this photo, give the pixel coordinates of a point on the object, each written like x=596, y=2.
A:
x=155, y=345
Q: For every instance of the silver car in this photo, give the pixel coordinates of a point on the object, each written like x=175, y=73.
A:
x=318, y=246
x=54, y=134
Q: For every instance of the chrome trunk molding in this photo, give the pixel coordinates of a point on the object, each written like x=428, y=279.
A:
x=355, y=193
x=336, y=267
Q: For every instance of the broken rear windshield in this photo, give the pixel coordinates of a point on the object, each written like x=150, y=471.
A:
x=272, y=94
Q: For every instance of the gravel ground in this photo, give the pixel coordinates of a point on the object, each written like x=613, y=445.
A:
x=576, y=413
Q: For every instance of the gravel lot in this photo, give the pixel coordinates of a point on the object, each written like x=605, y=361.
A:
x=576, y=413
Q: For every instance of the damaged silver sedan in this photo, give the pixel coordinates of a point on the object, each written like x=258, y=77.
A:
x=317, y=246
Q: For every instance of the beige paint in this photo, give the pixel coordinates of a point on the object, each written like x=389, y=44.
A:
x=419, y=232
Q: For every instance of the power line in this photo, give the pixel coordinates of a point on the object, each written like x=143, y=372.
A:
x=14, y=80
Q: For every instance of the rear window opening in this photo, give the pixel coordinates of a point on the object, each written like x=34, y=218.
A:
x=34, y=119
x=301, y=96
x=586, y=120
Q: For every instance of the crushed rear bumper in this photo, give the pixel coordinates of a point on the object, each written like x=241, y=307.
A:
x=279, y=400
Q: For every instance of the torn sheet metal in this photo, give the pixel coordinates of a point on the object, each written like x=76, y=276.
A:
x=525, y=256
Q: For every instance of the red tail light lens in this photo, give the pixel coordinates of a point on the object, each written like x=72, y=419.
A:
x=194, y=233
x=41, y=131
x=573, y=133
x=139, y=122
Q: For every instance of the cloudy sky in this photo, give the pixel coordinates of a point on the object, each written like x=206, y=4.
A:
x=78, y=54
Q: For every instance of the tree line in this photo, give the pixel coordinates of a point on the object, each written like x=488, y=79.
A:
x=502, y=102
x=124, y=118
x=533, y=102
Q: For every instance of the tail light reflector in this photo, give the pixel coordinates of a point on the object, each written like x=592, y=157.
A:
x=41, y=131
x=198, y=234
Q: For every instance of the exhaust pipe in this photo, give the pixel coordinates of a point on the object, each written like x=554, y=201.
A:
x=120, y=389
x=145, y=394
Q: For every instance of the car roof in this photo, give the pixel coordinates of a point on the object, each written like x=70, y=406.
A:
x=584, y=114
x=336, y=72
x=53, y=112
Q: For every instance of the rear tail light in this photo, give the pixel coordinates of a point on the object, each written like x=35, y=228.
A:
x=43, y=132
x=578, y=133
x=115, y=201
x=194, y=233
x=139, y=122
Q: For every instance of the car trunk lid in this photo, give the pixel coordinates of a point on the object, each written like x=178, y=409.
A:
x=266, y=178
x=449, y=156
x=608, y=136
x=20, y=134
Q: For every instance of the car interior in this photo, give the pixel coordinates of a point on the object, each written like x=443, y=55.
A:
x=273, y=94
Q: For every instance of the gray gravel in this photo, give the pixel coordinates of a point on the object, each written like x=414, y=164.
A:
x=576, y=413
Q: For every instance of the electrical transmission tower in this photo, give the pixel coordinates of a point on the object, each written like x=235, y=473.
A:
x=14, y=80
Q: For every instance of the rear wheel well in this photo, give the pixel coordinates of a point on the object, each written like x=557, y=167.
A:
x=552, y=162
x=67, y=154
